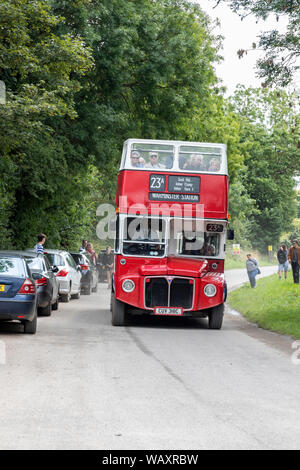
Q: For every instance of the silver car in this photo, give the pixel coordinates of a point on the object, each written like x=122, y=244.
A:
x=68, y=274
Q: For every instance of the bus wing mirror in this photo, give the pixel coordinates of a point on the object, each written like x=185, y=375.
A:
x=230, y=234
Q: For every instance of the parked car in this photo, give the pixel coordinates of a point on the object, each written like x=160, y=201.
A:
x=68, y=274
x=89, y=280
x=46, y=282
x=18, y=292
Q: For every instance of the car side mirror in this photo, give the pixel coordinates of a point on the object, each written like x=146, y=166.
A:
x=54, y=269
x=78, y=267
x=37, y=276
x=230, y=234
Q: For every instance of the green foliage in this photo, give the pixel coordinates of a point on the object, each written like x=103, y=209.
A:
x=282, y=50
x=269, y=132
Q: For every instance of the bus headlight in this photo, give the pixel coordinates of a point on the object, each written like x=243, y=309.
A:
x=128, y=285
x=210, y=290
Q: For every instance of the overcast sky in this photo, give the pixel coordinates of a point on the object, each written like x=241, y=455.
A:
x=238, y=35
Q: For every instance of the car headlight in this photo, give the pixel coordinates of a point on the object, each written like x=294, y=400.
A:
x=128, y=285
x=210, y=290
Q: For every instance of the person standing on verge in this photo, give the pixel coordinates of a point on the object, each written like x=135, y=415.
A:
x=108, y=262
x=294, y=259
x=283, y=264
x=252, y=270
x=39, y=247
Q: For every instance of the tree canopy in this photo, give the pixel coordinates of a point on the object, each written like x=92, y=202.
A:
x=282, y=50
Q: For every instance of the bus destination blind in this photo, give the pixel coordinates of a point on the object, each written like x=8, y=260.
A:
x=180, y=188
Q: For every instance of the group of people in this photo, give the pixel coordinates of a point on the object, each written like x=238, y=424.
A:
x=107, y=259
x=195, y=162
x=139, y=162
x=285, y=258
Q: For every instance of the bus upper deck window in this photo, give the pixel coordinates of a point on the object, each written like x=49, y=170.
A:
x=202, y=159
x=150, y=156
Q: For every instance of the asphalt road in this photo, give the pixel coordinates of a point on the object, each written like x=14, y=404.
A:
x=159, y=383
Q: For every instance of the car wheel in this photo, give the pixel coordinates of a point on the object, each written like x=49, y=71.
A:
x=66, y=297
x=215, y=319
x=30, y=326
x=95, y=289
x=88, y=290
x=118, y=312
x=76, y=296
x=55, y=305
x=45, y=311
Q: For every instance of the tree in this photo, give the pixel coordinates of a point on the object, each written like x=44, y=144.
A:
x=153, y=68
x=282, y=51
x=269, y=133
x=35, y=166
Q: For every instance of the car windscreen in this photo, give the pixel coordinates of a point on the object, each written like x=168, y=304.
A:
x=10, y=266
x=34, y=264
x=78, y=258
x=55, y=260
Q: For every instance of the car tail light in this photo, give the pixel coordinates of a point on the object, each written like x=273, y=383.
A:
x=41, y=282
x=63, y=273
x=28, y=287
x=84, y=267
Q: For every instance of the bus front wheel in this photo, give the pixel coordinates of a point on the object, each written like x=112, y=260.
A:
x=117, y=312
x=215, y=319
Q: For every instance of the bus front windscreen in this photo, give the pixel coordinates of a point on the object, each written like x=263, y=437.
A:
x=198, y=244
x=143, y=236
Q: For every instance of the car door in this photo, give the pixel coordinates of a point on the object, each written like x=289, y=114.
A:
x=52, y=278
x=75, y=273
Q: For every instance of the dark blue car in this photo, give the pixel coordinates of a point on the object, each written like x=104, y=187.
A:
x=18, y=292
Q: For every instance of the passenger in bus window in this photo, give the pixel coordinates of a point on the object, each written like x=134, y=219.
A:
x=136, y=160
x=154, y=163
x=169, y=162
x=195, y=163
x=182, y=162
x=214, y=165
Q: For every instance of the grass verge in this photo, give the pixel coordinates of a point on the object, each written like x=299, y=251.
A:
x=274, y=305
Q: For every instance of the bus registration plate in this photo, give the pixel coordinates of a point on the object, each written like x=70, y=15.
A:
x=168, y=311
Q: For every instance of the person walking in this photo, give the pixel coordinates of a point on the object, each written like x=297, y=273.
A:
x=294, y=259
x=39, y=247
x=108, y=262
x=252, y=270
x=283, y=263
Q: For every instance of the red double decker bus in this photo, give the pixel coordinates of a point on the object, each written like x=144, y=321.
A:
x=172, y=203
